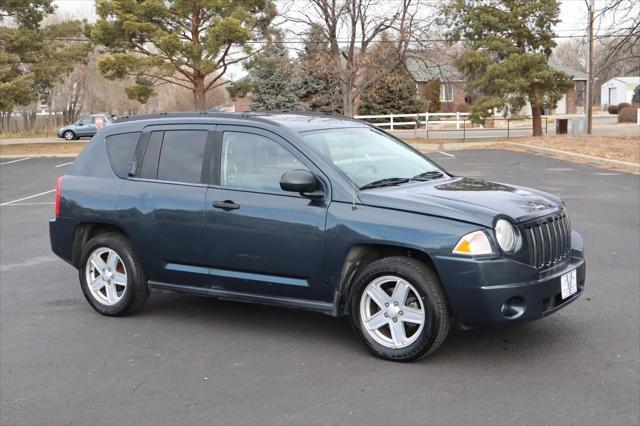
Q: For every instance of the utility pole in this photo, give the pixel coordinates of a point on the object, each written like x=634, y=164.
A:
x=590, y=70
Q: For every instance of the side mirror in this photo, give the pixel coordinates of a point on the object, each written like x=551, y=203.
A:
x=302, y=181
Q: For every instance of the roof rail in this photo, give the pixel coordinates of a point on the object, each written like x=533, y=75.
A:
x=192, y=114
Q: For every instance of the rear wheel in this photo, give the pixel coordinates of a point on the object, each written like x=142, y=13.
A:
x=398, y=309
x=111, y=277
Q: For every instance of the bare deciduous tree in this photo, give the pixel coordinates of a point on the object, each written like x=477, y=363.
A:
x=619, y=32
x=351, y=27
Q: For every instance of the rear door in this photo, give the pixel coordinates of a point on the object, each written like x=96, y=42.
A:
x=162, y=204
x=260, y=239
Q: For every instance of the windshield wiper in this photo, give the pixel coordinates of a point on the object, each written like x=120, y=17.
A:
x=385, y=182
x=432, y=174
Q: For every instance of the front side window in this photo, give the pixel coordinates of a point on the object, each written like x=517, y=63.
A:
x=254, y=162
x=366, y=155
x=182, y=156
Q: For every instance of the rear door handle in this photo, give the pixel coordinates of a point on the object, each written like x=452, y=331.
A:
x=225, y=205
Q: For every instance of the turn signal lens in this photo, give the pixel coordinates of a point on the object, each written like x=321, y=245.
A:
x=475, y=243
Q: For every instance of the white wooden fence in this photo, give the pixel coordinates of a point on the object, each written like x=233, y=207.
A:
x=418, y=120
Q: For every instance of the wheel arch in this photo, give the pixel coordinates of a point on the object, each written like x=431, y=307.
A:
x=87, y=230
x=360, y=256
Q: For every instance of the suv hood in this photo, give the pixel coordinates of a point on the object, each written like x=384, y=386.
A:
x=470, y=200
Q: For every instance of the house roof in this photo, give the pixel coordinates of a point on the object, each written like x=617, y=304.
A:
x=572, y=72
x=424, y=69
x=627, y=80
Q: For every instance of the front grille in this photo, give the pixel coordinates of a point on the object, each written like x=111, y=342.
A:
x=548, y=240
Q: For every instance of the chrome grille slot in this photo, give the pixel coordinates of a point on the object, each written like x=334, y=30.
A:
x=548, y=240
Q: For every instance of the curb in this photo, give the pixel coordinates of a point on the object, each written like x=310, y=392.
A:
x=13, y=156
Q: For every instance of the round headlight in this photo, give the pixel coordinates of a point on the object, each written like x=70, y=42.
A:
x=506, y=235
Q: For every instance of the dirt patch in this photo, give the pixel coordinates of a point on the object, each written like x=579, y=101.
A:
x=70, y=149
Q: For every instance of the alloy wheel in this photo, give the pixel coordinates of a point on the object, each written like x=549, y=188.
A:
x=106, y=276
x=392, y=312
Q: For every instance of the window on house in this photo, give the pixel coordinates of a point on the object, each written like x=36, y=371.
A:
x=446, y=92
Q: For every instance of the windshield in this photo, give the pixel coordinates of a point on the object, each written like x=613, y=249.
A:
x=366, y=155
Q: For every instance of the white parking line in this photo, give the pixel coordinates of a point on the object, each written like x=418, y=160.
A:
x=27, y=198
x=64, y=164
x=29, y=204
x=448, y=155
x=15, y=161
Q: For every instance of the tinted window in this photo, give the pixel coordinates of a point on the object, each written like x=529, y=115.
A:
x=120, y=149
x=149, y=167
x=254, y=162
x=182, y=155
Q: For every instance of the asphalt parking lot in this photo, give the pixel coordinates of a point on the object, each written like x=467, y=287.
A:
x=190, y=360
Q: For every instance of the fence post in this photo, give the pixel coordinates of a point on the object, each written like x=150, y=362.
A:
x=464, y=129
x=638, y=116
x=507, y=126
x=457, y=120
x=546, y=125
x=391, y=118
x=427, y=125
x=426, y=119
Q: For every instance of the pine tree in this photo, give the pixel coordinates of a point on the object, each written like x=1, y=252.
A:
x=33, y=58
x=273, y=79
x=319, y=86
x=393, y=93
x=509, y=43
x=185, y=43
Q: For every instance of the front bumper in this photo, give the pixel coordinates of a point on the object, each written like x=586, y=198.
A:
x=495, y=291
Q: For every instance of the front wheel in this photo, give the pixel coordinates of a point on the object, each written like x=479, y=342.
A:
x=111, y=277
x=69, y=135
x=398, y=309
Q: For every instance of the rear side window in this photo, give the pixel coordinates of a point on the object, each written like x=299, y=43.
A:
x=182, y=155
x=149, y=168
x=120, y=149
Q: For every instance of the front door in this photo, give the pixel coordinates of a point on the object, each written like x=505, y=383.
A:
x=260, y=239
x=613, y=96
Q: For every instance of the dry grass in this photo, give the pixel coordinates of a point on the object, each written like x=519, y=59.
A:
x=69, y=148
x=622, y=147
x=28, y=134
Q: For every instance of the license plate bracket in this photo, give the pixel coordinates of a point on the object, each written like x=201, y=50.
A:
x=569, y=284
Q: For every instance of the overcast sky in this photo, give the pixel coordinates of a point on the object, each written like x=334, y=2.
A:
x=573, y=15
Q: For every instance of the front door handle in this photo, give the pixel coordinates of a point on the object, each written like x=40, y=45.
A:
x=225, y=205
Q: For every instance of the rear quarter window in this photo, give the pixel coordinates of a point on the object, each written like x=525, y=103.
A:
x=120, y=150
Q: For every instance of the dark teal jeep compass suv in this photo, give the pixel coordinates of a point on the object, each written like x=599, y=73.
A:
x=313, y=212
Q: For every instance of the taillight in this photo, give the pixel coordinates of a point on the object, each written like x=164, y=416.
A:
x=58, y=193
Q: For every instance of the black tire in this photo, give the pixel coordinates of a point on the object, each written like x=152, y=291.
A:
x=136, y=291
x=426, y=282
x=69, y=135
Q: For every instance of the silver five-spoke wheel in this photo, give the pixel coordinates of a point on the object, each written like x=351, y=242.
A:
x=392, y=312
x=106, y=276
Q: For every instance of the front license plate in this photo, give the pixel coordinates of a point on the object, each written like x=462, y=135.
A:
x=569, y=284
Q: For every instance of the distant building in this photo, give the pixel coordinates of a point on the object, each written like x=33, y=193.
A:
x=424, y=71
x=452, y=86
x=618, y=90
